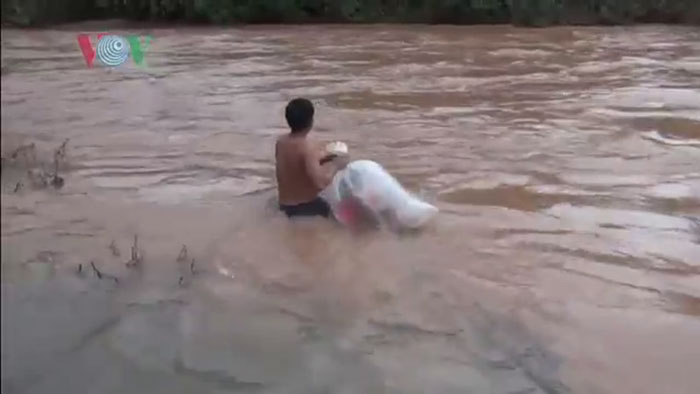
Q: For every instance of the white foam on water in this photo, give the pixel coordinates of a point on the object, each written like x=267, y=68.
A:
x=675, y=191
x=592, y=217
x=597, y=179
x=651, y=97
x=516, y=52
x=658, y=137
x=659, y=113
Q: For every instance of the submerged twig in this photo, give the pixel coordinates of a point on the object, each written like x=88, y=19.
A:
x=44, y=175
x=136, y=257
x=101, y=275
x=57, y=181
x=37, y=179
x=135, y=248
x=181, y=259
x=61, y=151
x=23, y=149
x=182, y=256
x=95, y=270
x=114, y=249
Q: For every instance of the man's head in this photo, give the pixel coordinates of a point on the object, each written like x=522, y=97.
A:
x=300, y=115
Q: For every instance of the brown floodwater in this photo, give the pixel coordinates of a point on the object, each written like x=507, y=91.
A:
x=565, y=258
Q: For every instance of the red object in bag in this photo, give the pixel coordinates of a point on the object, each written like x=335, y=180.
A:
x=347, y=212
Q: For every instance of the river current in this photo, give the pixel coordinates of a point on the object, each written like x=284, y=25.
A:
x=565, y=259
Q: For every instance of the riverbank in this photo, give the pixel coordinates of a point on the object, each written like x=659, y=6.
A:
x=464, y=12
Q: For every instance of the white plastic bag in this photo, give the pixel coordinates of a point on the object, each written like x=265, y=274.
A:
x=367, y=182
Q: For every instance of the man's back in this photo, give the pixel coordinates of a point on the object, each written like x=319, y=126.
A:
x=294, y=182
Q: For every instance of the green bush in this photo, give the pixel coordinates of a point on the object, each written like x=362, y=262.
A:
x=521, y=12
x=37, y=12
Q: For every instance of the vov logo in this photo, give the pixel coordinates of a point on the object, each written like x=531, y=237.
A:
x=112, y=50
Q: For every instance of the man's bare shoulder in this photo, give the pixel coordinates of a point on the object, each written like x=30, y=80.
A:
x=285, y=144
x=313, y=146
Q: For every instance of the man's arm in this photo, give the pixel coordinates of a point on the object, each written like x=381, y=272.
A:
x=321, y=175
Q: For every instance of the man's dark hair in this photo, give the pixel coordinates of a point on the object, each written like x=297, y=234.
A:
x=299, y=114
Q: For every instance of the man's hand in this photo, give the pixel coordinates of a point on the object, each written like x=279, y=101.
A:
x=341, y=161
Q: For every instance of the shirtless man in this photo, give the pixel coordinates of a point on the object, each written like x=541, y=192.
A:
x=300, y=174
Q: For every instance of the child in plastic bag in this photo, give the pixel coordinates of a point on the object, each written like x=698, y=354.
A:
x=364, y=194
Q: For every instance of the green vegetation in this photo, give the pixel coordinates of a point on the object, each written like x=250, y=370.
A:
x=521, y=12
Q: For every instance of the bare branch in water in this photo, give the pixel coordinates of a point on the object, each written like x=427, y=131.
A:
x=135, y=248
x=136, y=256
x=37, y=179
x=60, y=154
x=61, y=151
x=101, y=275
x=25, y=150
x=95, y=270
x=41, y=176
x=114, y=249
x=182, y=257
x=57, y=182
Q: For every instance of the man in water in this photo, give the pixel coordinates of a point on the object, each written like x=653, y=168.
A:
x=300, y=174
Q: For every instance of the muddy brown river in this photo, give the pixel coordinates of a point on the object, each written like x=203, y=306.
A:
x=565, y=259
